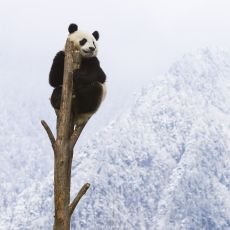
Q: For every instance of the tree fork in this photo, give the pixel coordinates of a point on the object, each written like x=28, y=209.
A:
x=64, y=144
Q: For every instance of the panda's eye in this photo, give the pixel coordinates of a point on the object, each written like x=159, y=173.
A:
x=82, y=42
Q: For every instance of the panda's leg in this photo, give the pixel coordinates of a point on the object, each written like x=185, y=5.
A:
x=56, y=98
x=80, y=117
x=86, y=102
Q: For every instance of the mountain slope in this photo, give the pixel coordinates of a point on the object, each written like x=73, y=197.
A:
x=164, y=164
x=24, y=150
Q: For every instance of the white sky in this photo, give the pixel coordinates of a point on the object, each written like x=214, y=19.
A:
x=138, y=38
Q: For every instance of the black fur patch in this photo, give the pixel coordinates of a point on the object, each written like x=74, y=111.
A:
x=72, y=28
x=57, y=70
x=56, y=98
x=96, y=35
x=87, y=89
x=87, y=99
x=82, y=42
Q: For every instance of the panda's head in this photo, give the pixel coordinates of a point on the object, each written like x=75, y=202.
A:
x=85, y=42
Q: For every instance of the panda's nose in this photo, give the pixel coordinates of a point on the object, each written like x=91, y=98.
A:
x=91, y=48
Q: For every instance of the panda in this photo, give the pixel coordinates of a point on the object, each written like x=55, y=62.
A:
x=89, y=87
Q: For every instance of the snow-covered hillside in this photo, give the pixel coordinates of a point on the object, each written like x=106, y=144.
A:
x=24, y=150
x=164, y=164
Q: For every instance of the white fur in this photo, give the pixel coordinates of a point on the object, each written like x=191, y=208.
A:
x=77, y=36
x=104, y=91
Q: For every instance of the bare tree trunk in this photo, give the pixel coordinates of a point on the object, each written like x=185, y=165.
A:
x=63, y=146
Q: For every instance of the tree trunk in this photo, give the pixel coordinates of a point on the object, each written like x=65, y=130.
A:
x=67, y=136
x=62, y=180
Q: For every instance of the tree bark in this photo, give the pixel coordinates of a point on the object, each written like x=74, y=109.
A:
x=64, y=144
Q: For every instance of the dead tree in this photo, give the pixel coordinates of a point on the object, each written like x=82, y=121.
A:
x=63, y=145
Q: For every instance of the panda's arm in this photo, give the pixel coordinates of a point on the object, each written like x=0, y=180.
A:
x=92, y=75
x=57, y=70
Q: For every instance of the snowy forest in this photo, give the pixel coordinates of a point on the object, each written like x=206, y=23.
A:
x=157, y=153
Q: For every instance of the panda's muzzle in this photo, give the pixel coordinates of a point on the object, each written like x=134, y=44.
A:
x=92, y=48
x=90, y=51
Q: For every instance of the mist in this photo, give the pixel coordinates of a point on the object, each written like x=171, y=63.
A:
x=138, y=39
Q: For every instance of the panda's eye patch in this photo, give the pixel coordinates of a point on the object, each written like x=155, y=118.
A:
x=83, y=41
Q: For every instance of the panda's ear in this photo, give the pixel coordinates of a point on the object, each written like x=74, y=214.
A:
x=72, y=28
x=96, y=35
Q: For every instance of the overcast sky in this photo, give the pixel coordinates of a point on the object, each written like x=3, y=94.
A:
x=139, y=39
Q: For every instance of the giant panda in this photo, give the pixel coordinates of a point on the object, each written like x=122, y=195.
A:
x=88, y=82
